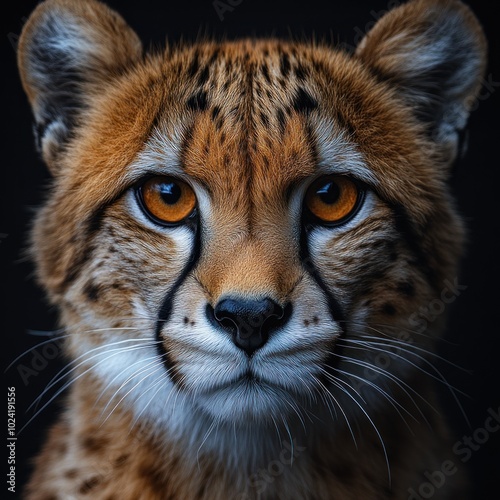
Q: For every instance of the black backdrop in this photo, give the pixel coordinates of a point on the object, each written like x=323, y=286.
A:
x=473, y=328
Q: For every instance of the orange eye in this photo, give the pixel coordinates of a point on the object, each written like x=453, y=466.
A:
x=167, y=199
x=332, y=198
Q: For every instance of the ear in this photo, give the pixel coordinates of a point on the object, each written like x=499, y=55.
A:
x=67, y=49
x=434, y=53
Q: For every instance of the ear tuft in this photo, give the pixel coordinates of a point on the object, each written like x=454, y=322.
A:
x=67, y=47
x=434, y=53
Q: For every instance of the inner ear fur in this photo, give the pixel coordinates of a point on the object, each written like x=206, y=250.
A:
x=65, y=48
x=434, y=53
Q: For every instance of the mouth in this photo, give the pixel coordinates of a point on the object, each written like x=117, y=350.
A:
x=247, y=380
x=246, y=399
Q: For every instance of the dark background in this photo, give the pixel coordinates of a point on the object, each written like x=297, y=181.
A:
x=474, y=333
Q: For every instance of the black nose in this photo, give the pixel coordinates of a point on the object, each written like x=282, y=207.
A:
x=250, y=321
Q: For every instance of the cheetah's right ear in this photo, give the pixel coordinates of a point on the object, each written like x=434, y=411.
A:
x=433, y=53
x=68, y=49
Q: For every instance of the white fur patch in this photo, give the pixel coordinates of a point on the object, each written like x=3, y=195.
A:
x=339, y=155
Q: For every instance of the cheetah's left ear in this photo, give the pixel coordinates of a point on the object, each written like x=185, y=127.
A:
x=434, y=53
x=69, y=51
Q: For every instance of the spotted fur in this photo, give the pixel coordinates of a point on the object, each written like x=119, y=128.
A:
x=162, y=404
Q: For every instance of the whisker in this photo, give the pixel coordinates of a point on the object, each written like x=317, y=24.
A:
x=207, y=434
x=156, y=368
x=340, y=406
x=298, y=411
x=398, y=381
x=421, y=349
x=65, y=386
x=45, y=333
x=391, y=400
x=288, y=431
x=130, y=377
x=453, y=390
x=160, y=379
x=372, y=346
x=61, y=375
x=331, y=407
x=117, y=376
x=399, y=328
x=374, y=427
x=276, y=428
x=27, y=351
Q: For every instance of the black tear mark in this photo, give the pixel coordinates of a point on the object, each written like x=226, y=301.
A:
x=336, y=311
x=166, y=310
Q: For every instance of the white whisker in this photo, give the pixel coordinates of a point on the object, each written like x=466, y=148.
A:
x=391, y=400
x=27, y=351
x=440, y=378
x=129, y=378
x=412, y=346
x=71, y=382
x=160, y=381
x=340, y=407
x=207, y=434
x=373, y=425
x=155, y=369
x=398, y=381
x=61, y=375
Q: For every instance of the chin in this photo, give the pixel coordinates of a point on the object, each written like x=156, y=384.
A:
x=248, y=401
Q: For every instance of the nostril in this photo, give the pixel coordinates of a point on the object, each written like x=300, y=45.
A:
x=217, y=320
x=247, y=314
x=250, y=321
x=278, y=318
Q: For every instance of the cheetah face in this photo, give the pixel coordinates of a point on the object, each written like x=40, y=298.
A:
x=241, y=229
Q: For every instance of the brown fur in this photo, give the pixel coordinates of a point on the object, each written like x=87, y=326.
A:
x=247, y=120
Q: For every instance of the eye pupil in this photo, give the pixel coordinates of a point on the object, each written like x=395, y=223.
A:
x=170, y=192
x=332, y=199
x=329, y=193
x=167, y=200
